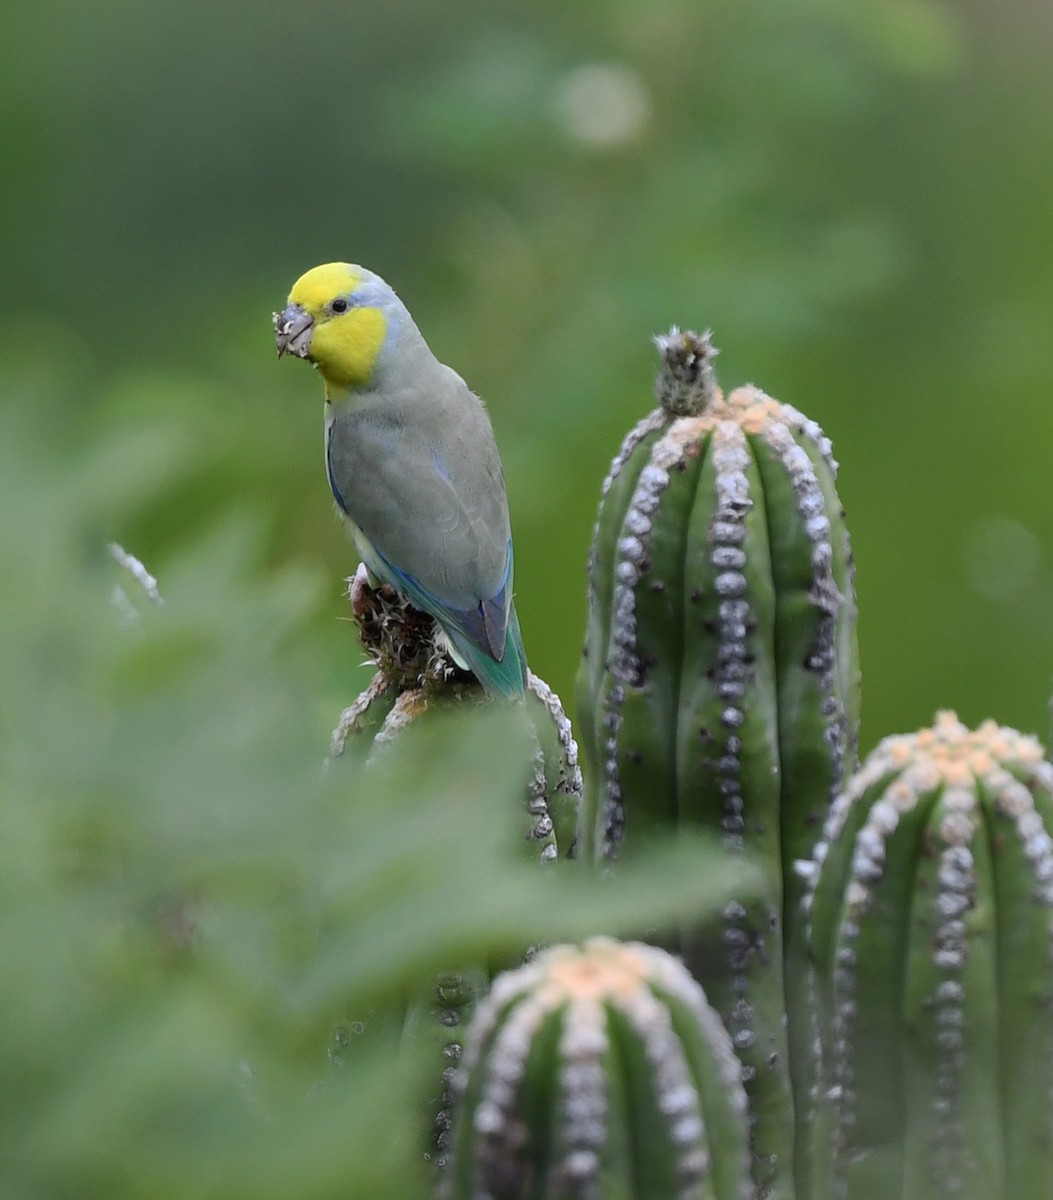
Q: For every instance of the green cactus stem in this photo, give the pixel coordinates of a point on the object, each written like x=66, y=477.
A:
x=720, y=590
x=416, y=676
x=598, y=1074
x=416, y=680
x=719, y=687
x=930, y=898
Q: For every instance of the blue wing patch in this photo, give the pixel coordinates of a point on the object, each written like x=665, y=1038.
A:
x=485, y=626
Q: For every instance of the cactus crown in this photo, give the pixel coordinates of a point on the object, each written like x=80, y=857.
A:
x=964, y=765
x=404, y=642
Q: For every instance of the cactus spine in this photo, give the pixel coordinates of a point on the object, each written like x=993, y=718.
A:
x=598, y=1073
x=720, y=684
x=931, y=905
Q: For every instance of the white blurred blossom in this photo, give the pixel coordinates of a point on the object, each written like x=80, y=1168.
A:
x=602, y=104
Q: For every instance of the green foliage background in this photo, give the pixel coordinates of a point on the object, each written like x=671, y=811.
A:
x=854, y=196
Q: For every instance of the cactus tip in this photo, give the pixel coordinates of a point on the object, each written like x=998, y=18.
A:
x=686, y=382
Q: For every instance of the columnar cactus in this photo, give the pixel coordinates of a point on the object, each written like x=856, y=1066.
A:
x=415, y=680
x=931, y=905
x=720, y=686
x=599, y=1073
x=415, y=675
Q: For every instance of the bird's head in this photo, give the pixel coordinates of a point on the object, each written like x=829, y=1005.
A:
x=339, y=317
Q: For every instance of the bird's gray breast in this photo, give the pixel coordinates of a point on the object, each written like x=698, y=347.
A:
x=420, y=476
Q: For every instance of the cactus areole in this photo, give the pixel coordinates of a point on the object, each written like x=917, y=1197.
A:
x=931, y=906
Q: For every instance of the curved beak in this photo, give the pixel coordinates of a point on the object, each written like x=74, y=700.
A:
x=292, y=331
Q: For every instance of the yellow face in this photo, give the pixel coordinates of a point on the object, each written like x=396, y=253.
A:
x=345, y=337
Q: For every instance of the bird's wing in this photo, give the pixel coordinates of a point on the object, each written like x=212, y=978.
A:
x=485, y=625
x=428, y=493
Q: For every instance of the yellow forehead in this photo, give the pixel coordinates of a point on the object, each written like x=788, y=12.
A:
x=319, y=285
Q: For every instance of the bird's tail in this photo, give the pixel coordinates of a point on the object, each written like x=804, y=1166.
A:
x=506, y=678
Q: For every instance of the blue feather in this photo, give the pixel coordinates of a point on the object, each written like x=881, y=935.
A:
x=487, y=636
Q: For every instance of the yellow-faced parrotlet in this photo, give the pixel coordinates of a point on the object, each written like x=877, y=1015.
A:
x=412, y=463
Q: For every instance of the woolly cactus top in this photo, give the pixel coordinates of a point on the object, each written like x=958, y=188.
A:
x=1005, y=764
x=755, y=412
x=602, y=972
x=605, y=970
x=404, y=642
x=686, y=386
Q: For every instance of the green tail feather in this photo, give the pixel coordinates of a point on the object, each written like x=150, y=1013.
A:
x=506, y=678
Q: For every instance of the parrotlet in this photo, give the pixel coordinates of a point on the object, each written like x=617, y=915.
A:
x=412, y=464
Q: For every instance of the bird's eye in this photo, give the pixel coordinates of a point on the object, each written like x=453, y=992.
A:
x=340, y=305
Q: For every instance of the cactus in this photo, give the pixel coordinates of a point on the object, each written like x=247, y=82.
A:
x=433, y=1035
x=415, y=675
x=600, y=1073
x=720, y=686
x=931, y=906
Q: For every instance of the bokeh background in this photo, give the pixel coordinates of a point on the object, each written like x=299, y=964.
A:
x=854, y=197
